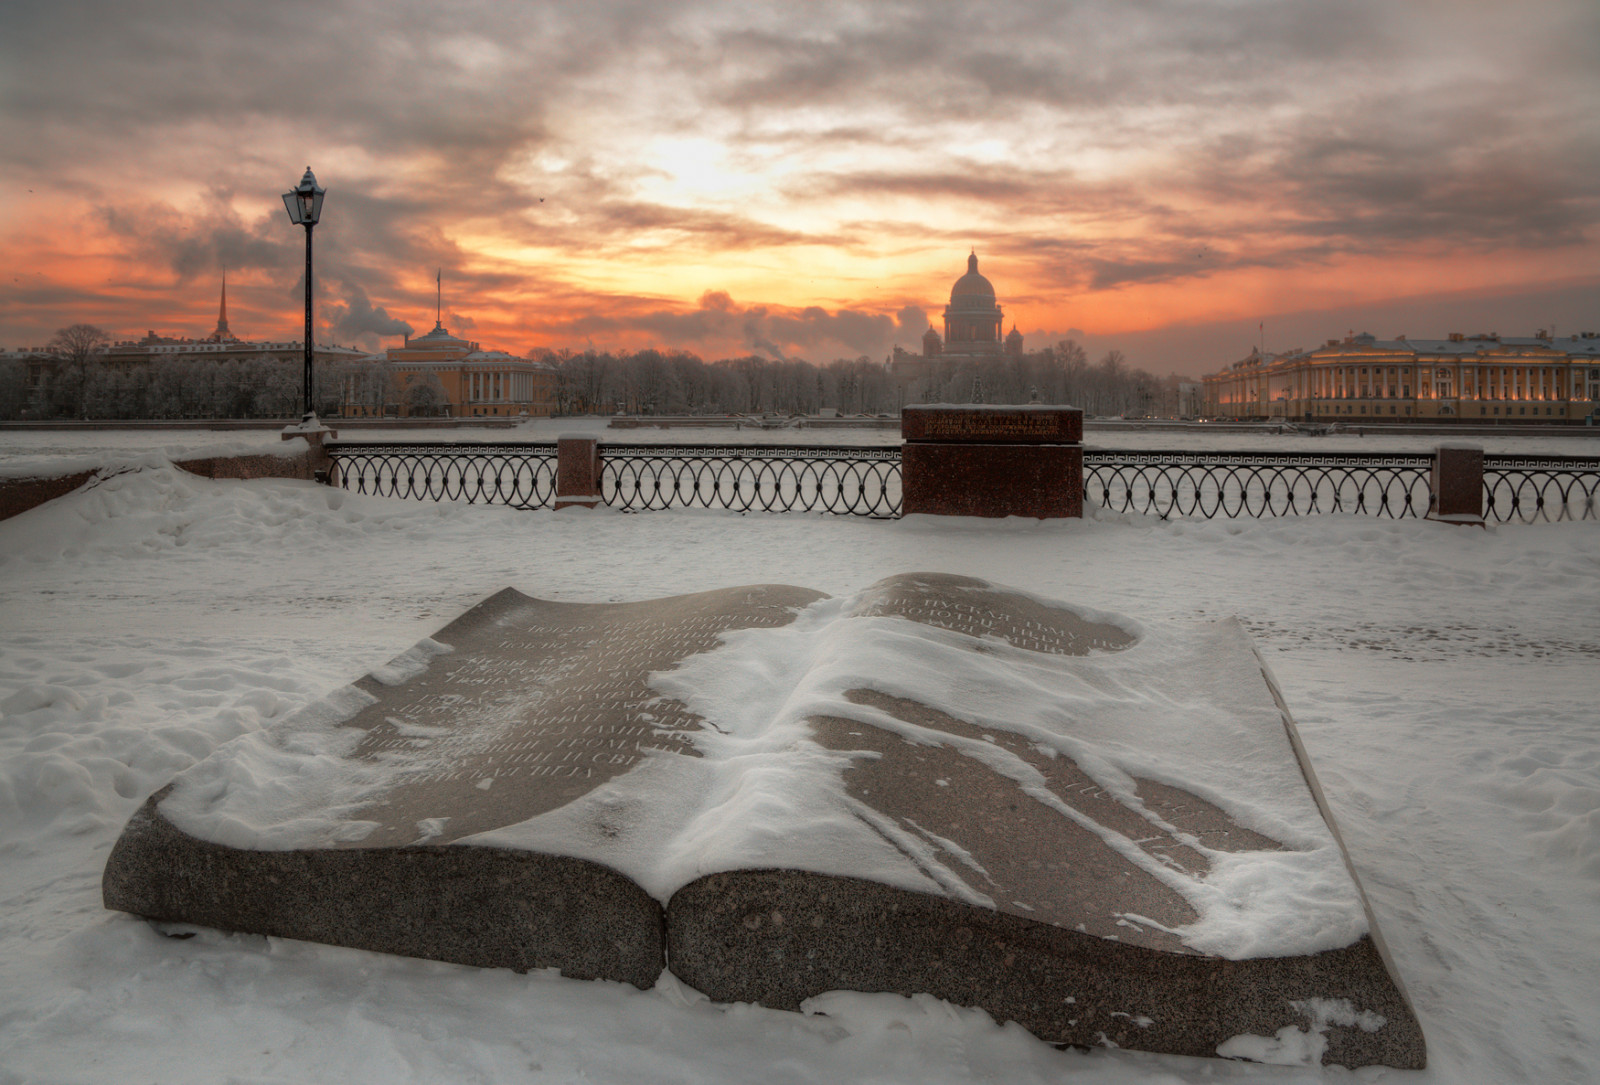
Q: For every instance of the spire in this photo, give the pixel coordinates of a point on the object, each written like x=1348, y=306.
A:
x=972, y=262
x=438, y=298
x=222, y=333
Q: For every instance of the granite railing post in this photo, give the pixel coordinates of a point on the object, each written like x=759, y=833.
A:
x=985, y=460
x=319, y=465
x=577, y=472
x=1457, y=484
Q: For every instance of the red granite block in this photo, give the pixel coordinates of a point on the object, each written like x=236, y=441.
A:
x=991, y=480
x=1027, y=423
x=577, y=472
x=1457, y=483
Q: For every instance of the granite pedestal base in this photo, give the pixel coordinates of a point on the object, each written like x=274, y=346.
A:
x=980, y=460
x=991, y=479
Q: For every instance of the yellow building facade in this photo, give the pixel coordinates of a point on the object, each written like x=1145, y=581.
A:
x=1481, y=378
x=439, y=374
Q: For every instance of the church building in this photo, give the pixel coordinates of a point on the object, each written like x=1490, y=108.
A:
x=972, y=329
x=972, y=320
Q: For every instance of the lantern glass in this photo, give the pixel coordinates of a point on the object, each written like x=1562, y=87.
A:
x=304, y=204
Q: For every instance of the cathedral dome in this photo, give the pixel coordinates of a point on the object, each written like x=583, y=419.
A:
x=972, y=288
x=972, y=319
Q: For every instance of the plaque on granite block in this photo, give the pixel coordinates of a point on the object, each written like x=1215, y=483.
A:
x=981, y=460
x=1018, y=424
x=1106, y=832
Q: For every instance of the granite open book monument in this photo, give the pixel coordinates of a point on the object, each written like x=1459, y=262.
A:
x=1105, y=832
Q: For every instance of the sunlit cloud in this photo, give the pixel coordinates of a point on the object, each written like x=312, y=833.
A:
x=794, y=180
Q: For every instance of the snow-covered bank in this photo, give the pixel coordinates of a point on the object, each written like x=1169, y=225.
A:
x=62, y=451
x=1443, y=679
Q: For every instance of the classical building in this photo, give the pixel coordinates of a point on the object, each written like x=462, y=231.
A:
x=972, y=319
x=462, y=380
x=1478, y=378
x=220, y=345
x=972, y=330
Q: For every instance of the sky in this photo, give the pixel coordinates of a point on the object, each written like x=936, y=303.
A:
x=1181, y=181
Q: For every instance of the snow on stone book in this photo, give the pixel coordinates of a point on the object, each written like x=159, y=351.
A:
x=1105, y=832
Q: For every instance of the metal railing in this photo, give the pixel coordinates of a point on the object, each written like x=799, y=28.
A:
x=522, y=476
x=1257, y=484
x=867, y=481
x=1530, y=488
x=765, y=478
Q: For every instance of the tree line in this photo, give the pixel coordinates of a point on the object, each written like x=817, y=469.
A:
x=73, y=382
x=679, y=383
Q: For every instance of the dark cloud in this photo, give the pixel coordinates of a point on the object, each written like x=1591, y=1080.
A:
x=191, y=243
x=355, y=318
x=718, y=326
x=615, y=221
x=910, y=322
x=1095, y=146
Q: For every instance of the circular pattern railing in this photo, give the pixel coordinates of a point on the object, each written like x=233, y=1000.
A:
x=1531, y=488
x=867, y=481
x=522, y=476
x=1211, y=485
x=847, y=481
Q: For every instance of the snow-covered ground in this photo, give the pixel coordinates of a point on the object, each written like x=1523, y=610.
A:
x=1446, y=682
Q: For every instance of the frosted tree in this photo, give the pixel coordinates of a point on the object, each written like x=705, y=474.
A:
x=13, y=388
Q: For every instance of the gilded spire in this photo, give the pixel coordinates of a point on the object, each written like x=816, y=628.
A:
x=222, y=334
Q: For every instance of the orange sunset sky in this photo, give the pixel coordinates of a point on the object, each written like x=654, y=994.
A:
x=805, y=180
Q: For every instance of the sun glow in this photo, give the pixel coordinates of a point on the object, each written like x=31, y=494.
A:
x=594, y=175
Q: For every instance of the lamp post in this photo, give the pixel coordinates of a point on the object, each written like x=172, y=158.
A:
x=305, y=208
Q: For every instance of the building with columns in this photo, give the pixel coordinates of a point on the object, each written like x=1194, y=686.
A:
x=442, y=375
x=1477, y=378
x=973, y=322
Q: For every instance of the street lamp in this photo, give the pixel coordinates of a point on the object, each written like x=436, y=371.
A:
x=304, y=204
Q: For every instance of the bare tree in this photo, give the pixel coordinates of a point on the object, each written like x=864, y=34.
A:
x=72, y=349
x=77, y=343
